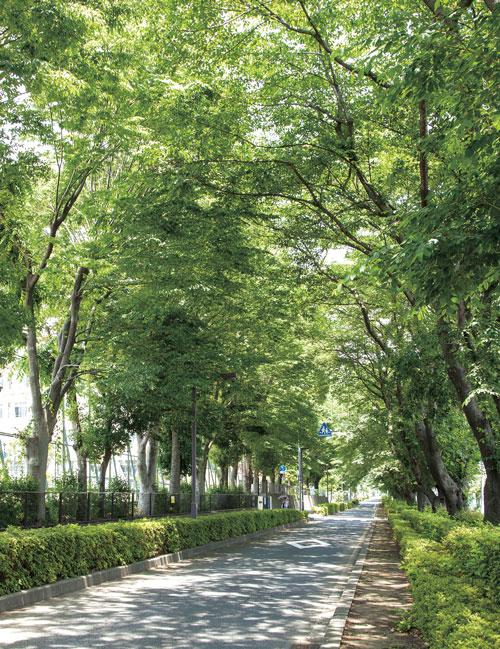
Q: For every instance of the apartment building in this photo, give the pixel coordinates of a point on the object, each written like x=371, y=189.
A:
x=15, y=415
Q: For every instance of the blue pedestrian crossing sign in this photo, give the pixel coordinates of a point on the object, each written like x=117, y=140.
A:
x=324, y=430
x=282, y=468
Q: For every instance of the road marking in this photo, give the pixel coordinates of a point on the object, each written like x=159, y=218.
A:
x=313, y=543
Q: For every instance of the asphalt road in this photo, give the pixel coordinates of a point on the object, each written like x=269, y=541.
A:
x=268, y=594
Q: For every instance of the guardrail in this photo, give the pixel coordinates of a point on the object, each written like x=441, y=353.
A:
x=20, y=507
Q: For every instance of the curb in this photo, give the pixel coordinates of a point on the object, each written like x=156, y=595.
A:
x=31, y=596
x=336, y=625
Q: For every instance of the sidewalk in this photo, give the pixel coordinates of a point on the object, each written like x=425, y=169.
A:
x=382, y=596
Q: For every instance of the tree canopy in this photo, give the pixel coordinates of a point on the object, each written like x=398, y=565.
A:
x=300, y=195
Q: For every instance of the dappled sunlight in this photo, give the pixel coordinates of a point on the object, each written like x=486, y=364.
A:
x=265, y=594
x=382, y=595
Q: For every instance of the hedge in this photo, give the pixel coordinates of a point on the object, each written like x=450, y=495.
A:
x=333, y=508
x=454, y=570
x=36, y=557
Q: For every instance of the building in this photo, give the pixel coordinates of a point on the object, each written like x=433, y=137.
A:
x=15, y=416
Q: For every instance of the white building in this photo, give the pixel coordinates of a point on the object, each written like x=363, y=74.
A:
x=15, y=403
x=15, y=416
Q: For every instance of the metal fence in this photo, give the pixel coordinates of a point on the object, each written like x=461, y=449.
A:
x=20, y=507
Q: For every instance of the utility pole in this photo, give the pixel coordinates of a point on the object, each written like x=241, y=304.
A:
x=301, y=494
x=194, y=486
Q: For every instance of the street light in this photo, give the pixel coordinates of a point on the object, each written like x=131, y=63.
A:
x=227, y=376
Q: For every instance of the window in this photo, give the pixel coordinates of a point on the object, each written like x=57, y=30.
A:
x=20, y=410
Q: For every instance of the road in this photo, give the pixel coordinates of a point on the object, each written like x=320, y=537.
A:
x=269, y=594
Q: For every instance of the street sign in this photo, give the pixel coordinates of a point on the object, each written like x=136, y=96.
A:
x=324, y=430
x=282, y=468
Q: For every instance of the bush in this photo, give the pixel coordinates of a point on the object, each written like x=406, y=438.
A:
x=454, y=572
x=326, y=509
x=474, y=519
x=431, y=525
x=17, y=500
x=476, y=555
x=35, y=557
x=226, y=490
x=119, y=485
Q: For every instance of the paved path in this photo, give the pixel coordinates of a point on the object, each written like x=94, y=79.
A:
x=382, y=596
x=264, y=595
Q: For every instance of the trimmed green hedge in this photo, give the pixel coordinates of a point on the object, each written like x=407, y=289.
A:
x=42, y=556
x=334, y=508
x=454, y=571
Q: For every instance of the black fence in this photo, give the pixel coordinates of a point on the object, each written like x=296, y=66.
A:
x=20, y=507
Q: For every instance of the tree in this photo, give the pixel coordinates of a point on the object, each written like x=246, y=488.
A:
x=337, y=130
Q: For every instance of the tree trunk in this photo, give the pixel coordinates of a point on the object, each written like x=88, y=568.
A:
x=224, y=475
x=102, y=480
x=81, y=456
x=247, y=474
x=45, y=417
x=202, y=470
x=82, y=473
x=409, y=457
x=272, y=483
x=233, y=475
x=409, y=496
x=37, y=446
x=146, y=464
x=82, y=480
x=255, y=482
x=478, y=422
x=175, y=463
x=421, y=500
x=264, y=485
x=37, y=452
x=452, y=493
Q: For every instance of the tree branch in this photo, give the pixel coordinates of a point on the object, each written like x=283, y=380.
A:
x=67, y=341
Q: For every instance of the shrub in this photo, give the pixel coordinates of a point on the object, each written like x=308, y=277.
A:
x=41, y=556
x=429, y=524
x=454, y=572
x=333, y=508
x=467, y=517
x=236, y=489
x=120, y=485
x=476, y=555
x=185, y=487
x=17, y=500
